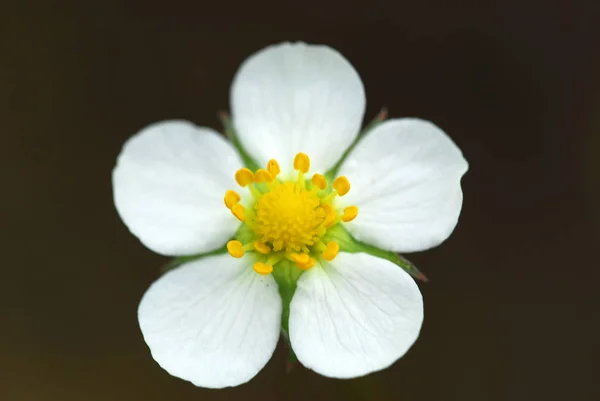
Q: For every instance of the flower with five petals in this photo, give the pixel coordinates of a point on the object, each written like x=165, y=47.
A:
x=293, y=229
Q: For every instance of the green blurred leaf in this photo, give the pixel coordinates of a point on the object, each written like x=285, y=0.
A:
x=379, y=118
x=232, y=135
x=348, y=244
x=176, y=262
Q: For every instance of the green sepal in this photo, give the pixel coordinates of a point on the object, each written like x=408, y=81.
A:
x=232, y=136
x=348, y=244
x=244, y=234
x=286, y=274
x=379, y=118
x=292, y=360
x=176, y=262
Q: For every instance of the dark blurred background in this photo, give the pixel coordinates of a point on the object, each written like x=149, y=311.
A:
x=512, y=305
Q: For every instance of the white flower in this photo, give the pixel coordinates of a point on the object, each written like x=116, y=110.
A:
x=215, y=321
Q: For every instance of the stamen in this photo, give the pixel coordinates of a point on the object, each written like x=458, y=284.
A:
x=239, y=212
x=263, y=176
x=244, y=177
x=333, y=248
x=301, y=162
x=320, y=246
x=273, y=259
x=256, y=194
x=300, y=258
x=330, y=215
x=262, y=268
x=308, y=265
x=231, y=198
x=273, y=167
x=262, y=247
x=235, y=249
x=248, y=247
x=319, y=181
x=350, y=213
x=341, y=185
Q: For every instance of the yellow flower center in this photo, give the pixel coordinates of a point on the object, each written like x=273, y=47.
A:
x=288, y=218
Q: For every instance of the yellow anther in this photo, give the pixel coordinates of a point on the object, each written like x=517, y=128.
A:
x=262, y=268
x=244, y=177
x=350, y=213
x=262, y=247
x=308, y=265
x=231, y=198
x=332, y=250
x=301, y=162
x=273, y=167
x=235, y=249
x=330, y=215
x=239, y=212
x=263, y=176
x=319, y=181
x=300, y=258
x=341, y=185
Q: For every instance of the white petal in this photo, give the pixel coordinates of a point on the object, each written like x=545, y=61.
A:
x=169, y=184
x=405, y=177
x=294, y=97
x=213, y=322
x=355, y=315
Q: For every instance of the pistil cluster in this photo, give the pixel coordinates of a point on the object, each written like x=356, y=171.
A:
x=288, y=218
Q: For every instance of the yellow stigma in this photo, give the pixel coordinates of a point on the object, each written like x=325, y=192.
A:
x=350, y=214
x=301, y=162
x=235, y=249
x=341, y=185
x=319, y=181
x=262, y=268
x=289, y=217
x=333, y=248
x=231, y=198
x=273, y=167
x=244, y=177
x=263, y=176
